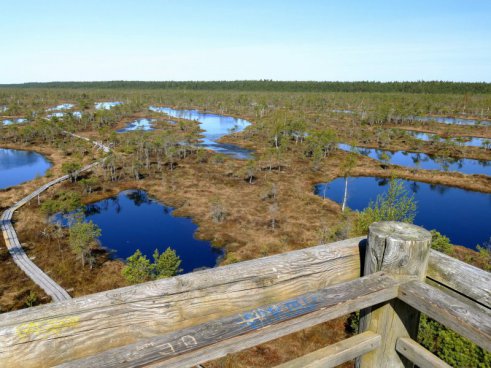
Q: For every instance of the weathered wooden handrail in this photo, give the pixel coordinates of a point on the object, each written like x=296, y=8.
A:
x=460, y=278
x=91, y=324
x=135, y=321
x=211, y=340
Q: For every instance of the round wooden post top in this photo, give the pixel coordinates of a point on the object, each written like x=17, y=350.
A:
x=399, y=231
x=398, y=248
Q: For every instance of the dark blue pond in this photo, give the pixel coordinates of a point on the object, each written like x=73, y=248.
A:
x=464, y=216
x=17, y=166
x=419, y=160
x=215, y=127
x=132, y=220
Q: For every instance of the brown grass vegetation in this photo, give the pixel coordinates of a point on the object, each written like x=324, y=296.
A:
x=287, y=348
x=15, y=286
x=266, y=206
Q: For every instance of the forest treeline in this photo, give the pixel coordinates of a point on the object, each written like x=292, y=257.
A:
x=280, y=86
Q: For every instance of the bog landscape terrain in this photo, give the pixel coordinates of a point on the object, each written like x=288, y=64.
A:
x=170, y=178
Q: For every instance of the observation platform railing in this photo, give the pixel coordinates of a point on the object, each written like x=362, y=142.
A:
x=390, y=277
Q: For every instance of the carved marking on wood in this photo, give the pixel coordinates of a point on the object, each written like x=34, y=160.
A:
x=168, y=349
x=189, y=340
x=261, y=317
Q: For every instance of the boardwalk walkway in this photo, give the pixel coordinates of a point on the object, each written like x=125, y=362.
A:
x=51, y=288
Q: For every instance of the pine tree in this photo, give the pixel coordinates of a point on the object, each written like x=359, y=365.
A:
x=166, y=264
x=138, y=268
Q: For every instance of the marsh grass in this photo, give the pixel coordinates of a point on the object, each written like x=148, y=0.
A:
x=202, y=179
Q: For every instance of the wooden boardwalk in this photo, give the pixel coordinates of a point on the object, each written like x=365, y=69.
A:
x=55, y=291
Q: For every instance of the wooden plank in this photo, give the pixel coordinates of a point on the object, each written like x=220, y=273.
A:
x=169, y=350
x=94, y=323
x=418, y=354
x=469, y=320
x=460, y=277
x=55, y=291
x=336, y=354
x=400, y=249
x=23, y=261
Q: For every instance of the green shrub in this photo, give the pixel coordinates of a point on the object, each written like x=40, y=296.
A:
x=82, y=236
x=441, y=243
x=395, y=205
x=451, y=347
x=166, y=264
x=65, y=202
x=139, y=269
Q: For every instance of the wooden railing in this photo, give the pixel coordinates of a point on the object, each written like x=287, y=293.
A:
x=197, y=317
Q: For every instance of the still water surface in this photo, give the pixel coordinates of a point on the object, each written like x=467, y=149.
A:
x=464, y=216
x=132, y=220
x=107, y=105
x=14, y=121
x=65, y=106
x=215, y=127
x=464, y=141
x=17, y=166
x=140, y=124
x=423, y=161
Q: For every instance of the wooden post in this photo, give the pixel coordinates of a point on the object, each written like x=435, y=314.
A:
x=401, y=250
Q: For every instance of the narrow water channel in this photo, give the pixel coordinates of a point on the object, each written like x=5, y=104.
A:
x=420, y=160
x=459, y=141
x=215, y=127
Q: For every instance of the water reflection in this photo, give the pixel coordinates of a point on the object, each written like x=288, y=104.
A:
x=448, y=120
x=460, y=141
x=140, y=124
x=133, y=220
x=14, y=121
x=464, y=216
x=420, y=160
x=107, y=105
x=65, y=106
x=215, y=127
x=18, y=166
x=437, y=119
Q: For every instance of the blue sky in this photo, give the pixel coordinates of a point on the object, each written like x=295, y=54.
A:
x=227, y=40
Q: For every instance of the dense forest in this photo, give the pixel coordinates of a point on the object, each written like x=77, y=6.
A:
x=281, y=86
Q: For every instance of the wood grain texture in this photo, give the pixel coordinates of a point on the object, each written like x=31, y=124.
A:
x=336, y=354
x=401, y=250
x=169, y=350
x=418, y=354
x=91, y=324
x=460, y=277
x=469, y=320
x=398, y=248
